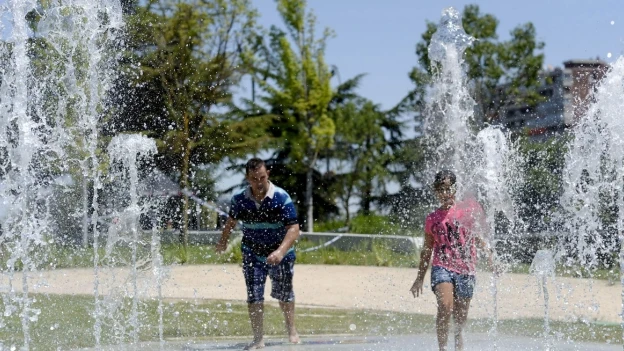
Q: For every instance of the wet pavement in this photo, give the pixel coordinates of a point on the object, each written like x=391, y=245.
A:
x=473, y=342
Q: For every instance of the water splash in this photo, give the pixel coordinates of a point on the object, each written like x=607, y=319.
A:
x=593, y=182
x=126, y=152
x=482, y=159
x=593, y=177
x=448, y=131
x=20, y=144
x=543, y=268
x=450, y=39
x=57, y=68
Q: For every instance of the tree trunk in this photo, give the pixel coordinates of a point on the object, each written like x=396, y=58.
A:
x=367, y=194
x=309, y=203
x=348, y=214
x=186, y=157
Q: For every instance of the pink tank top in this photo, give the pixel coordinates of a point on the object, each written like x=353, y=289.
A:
x=454, y=232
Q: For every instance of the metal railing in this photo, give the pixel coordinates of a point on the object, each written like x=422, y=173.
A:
x=342, y=241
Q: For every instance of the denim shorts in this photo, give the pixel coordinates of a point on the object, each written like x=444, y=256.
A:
x=255, y=270
x=463, y=284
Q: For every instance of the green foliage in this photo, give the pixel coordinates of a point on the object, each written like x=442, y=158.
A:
x=373, y=224
x=299, y=89
x=542, y=165
x=295, y=78
x=329, y=226
x=189, y=57
x=184, y=61
x=365, y=138
x=372, y=253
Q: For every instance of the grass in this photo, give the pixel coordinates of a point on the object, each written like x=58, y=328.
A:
x=369, y=224
x=65, y=322
x=612, y=275
x=376, y=254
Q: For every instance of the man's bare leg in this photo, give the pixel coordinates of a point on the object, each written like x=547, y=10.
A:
x=460, y=314
x=444, y=296
x=288, y=308
x=256, y=316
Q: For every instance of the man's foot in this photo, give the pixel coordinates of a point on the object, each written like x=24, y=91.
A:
x=294, y=338
x=255, y=345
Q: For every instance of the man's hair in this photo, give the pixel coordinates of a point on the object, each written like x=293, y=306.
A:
x=253, y=164
x=443, y=175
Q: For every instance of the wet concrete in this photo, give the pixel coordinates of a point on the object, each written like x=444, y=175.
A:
x=473, y=342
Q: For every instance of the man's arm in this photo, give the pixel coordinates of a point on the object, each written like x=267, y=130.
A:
x=292, y=233
x=225, y=235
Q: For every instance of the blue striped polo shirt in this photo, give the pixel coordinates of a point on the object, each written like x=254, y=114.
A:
x=263, y=223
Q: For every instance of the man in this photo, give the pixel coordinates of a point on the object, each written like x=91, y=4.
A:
x=270, y=228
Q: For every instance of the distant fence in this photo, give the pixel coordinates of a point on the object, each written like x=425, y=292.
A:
x=342, y=241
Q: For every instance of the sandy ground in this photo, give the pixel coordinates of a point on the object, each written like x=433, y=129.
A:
x=377, y=288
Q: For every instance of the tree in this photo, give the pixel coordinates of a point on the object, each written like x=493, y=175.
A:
x=184, y=60
x=298, y=91
x=364, y=140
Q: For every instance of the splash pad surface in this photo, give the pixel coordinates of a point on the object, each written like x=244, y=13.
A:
x=476, y=342
x=372, y=288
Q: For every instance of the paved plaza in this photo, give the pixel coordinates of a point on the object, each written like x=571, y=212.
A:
x=474, y=342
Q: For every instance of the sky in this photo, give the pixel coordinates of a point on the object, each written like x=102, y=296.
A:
x=379, y=37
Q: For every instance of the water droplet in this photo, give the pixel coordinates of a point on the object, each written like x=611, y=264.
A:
x=612, y=22
x=352, y=327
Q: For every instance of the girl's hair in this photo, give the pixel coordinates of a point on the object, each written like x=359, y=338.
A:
x=443, y=175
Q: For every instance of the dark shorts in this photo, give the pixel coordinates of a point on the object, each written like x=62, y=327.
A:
x=255, y=270
x=463, y=284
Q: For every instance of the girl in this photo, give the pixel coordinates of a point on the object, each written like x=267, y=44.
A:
x=452, y=234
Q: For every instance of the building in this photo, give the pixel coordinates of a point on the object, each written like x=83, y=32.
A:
x=566, y=94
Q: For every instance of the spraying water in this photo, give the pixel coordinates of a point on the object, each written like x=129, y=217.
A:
x=448, y=123
x=20, y=143
x=543, y=267
x=126, y=150
x=483, y=160
x=57, y=67
x=593, y=177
